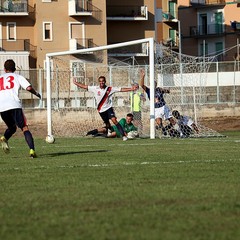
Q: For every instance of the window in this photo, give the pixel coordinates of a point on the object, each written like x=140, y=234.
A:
x=47, y=31
x=218, y=22
x=204, y=50
x=11, y=31
x=172, y=36
x=76, y=30
x=219, y=50
x=203, y=26
x=172, y=9
x=46, y=0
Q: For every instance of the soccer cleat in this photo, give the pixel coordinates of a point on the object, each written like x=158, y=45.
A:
x=5, y=146
x=89, y=133
x=125, y=138
x=109, y=133
x=92, y=132
x=32, y=153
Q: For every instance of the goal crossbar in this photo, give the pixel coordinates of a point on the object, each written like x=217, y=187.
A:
x=150, y=42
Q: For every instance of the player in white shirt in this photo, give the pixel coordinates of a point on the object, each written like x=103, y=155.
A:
x=11, y=108
x=184, y=125
x=103, y=95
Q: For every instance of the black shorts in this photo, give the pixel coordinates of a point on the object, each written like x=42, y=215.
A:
x=109, y=114
x=14, y=117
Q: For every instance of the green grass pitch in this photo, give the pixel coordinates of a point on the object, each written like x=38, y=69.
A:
x=96, y=188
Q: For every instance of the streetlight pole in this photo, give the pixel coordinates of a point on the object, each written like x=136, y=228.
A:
x=180, y=41
x=180, y=57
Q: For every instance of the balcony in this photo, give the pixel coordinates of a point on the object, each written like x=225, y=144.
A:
x=139, y=50
x=171, y=43
x=84, y=8
x=127, y=13
x=20, y=45
x=15, y=8
x=207, y=3
x=169, y=16
x=211, y=30
x=81, y=43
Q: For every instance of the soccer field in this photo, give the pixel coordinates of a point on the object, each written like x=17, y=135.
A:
x=97, y=188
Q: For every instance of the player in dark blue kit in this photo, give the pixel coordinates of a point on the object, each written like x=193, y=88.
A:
x=162, y=111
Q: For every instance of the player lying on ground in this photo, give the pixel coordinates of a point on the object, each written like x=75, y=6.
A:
x=126, y=124
x=183, y=127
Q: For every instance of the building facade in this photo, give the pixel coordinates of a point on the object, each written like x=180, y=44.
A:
x=29, y=29
x=213, y=29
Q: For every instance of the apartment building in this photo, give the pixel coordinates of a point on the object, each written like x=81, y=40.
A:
x=167, y=24
x=208, y=27
x=29, y=29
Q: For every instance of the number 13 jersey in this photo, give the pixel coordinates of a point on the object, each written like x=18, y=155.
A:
x=9, y=90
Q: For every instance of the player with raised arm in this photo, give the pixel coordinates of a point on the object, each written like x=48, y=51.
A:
x=162, y=111
x=103, y=95
x=11, y=108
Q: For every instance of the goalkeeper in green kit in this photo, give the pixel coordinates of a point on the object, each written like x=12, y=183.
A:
x=126, y=124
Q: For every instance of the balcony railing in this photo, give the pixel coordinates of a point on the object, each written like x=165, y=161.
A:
x=171, y=43
x=18, y=46
x=129, y=13
x=134, y=50
x=204, y=30
x=206, y=3
x=81, y=43
x=168, y=16
x=84, y=8
x=14, y=7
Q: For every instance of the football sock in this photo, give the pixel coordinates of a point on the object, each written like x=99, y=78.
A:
x=92, y=132
x=9, y=132
x=29, y=139
x=120, y=129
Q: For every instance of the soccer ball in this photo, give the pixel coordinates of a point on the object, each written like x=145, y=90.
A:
x=50, y=139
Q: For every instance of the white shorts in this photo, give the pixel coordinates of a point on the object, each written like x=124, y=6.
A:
x=163, y=112
x=190, y=122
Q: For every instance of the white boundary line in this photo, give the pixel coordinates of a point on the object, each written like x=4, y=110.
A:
x=181, y=142
x=106, y=165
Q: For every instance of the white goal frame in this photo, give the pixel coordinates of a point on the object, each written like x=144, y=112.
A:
x=150, y=42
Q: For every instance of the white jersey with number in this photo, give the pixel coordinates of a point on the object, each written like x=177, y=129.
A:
x=99, y=94
x=9, y=89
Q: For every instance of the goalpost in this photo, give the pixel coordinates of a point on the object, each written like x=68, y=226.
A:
x=72, y=111
x=150, y=42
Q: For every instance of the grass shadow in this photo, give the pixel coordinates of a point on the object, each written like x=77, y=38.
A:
x=57, y=154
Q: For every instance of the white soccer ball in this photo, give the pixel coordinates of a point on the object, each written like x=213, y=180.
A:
x=50, y=139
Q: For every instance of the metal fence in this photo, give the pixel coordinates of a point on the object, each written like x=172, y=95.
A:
x=221, y=85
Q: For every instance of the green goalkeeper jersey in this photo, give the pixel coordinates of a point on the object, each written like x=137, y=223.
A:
x=126, y=127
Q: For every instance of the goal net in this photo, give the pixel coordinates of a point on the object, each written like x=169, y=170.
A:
x=73, y=112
